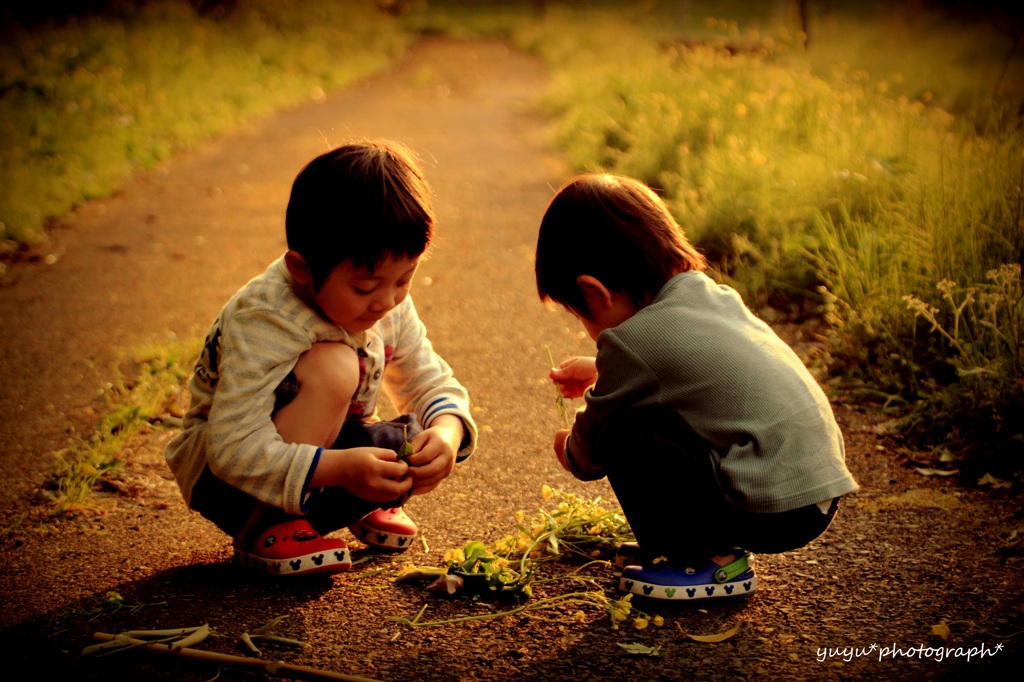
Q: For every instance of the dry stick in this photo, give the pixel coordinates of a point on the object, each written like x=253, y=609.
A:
x=272, y=667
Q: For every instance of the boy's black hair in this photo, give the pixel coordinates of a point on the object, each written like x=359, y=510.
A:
x=361, y=202
x=613, y=228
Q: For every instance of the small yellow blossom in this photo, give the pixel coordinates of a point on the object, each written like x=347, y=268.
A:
x=621, y=608
x=579, y=617
x=640, y=623
x=406, y=569
x=659, y=621
x=546, y=491
x=454, y=556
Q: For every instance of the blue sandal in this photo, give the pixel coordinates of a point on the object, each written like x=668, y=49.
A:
x=661, y=580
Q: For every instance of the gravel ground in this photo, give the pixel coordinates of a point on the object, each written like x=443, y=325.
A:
x=906, y=553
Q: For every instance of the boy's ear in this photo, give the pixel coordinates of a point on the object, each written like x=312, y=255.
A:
x=298, y=268
x=596, y=294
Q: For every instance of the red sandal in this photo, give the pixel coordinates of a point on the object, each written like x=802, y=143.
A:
x=292, y=547
x=386, y=529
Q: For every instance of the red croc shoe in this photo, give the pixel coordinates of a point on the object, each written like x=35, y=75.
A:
x=293, y=548
x=386, y=529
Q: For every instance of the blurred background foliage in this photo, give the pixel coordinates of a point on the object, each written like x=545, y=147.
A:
x=851, y=167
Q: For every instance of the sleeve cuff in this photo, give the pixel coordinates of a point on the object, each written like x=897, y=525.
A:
x=309, y=477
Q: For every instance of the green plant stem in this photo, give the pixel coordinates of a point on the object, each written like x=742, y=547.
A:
x=560, y=400
x=549, y=602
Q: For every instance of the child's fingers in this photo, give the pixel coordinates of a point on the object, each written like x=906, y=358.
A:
x=384, y=454
x=394, y=469
x=419, y=441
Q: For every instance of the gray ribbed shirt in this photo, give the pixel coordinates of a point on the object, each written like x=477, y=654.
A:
x=698, y=350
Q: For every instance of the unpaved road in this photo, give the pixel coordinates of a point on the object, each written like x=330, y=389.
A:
x=906, y=553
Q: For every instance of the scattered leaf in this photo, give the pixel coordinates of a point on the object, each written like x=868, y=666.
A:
x=941, y=630
x=447, y=583
x=637, y=649
x=927, y=471
x=990, y=480
x=711, y=639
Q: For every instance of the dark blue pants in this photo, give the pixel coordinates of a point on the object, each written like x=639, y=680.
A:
x=329, y=508
x=663, y=475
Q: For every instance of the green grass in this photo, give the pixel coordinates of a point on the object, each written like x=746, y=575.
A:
x=883, y=194
x=87, y=102
x=871, y=176
x=152, y=395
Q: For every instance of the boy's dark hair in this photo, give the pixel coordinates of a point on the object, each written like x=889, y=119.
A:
x=613, y=228
x=361, y=202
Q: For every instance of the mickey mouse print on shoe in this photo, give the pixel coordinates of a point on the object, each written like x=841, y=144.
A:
x=390, y=529
x=662, y=580
x=292, y=547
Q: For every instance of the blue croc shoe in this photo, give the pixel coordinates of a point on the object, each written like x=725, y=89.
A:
x=662, y=580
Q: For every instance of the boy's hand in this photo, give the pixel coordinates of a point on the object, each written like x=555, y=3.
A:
x=434, y=451
x=574, y=376
x=373, y=474
x=560, y=440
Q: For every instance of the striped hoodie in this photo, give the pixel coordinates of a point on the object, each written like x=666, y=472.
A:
x=253, y=345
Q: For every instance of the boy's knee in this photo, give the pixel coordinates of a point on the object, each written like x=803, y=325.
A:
x=330, y=370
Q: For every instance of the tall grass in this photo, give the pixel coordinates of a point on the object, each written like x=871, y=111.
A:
x=871, y=176
x=89, y=101
x=817, y=187
x=152, y=395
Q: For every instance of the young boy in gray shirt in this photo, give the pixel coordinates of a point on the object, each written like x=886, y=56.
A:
x=714, y=436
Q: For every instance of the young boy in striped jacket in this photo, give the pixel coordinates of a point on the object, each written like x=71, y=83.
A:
x=281, y=444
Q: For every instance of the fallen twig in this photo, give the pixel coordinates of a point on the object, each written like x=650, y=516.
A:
x=272, y=667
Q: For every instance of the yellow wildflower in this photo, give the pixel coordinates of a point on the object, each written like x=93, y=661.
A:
x=622, y=607
x=546, y=491
x=659, y=621
x=406, y=568
x=640, y=623
x=454, y=556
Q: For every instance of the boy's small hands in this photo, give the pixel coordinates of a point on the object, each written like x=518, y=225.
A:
x=373, y=474
x=574, y=376
x=433, y=458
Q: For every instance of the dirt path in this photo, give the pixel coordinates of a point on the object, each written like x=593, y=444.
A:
x=905, y=554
